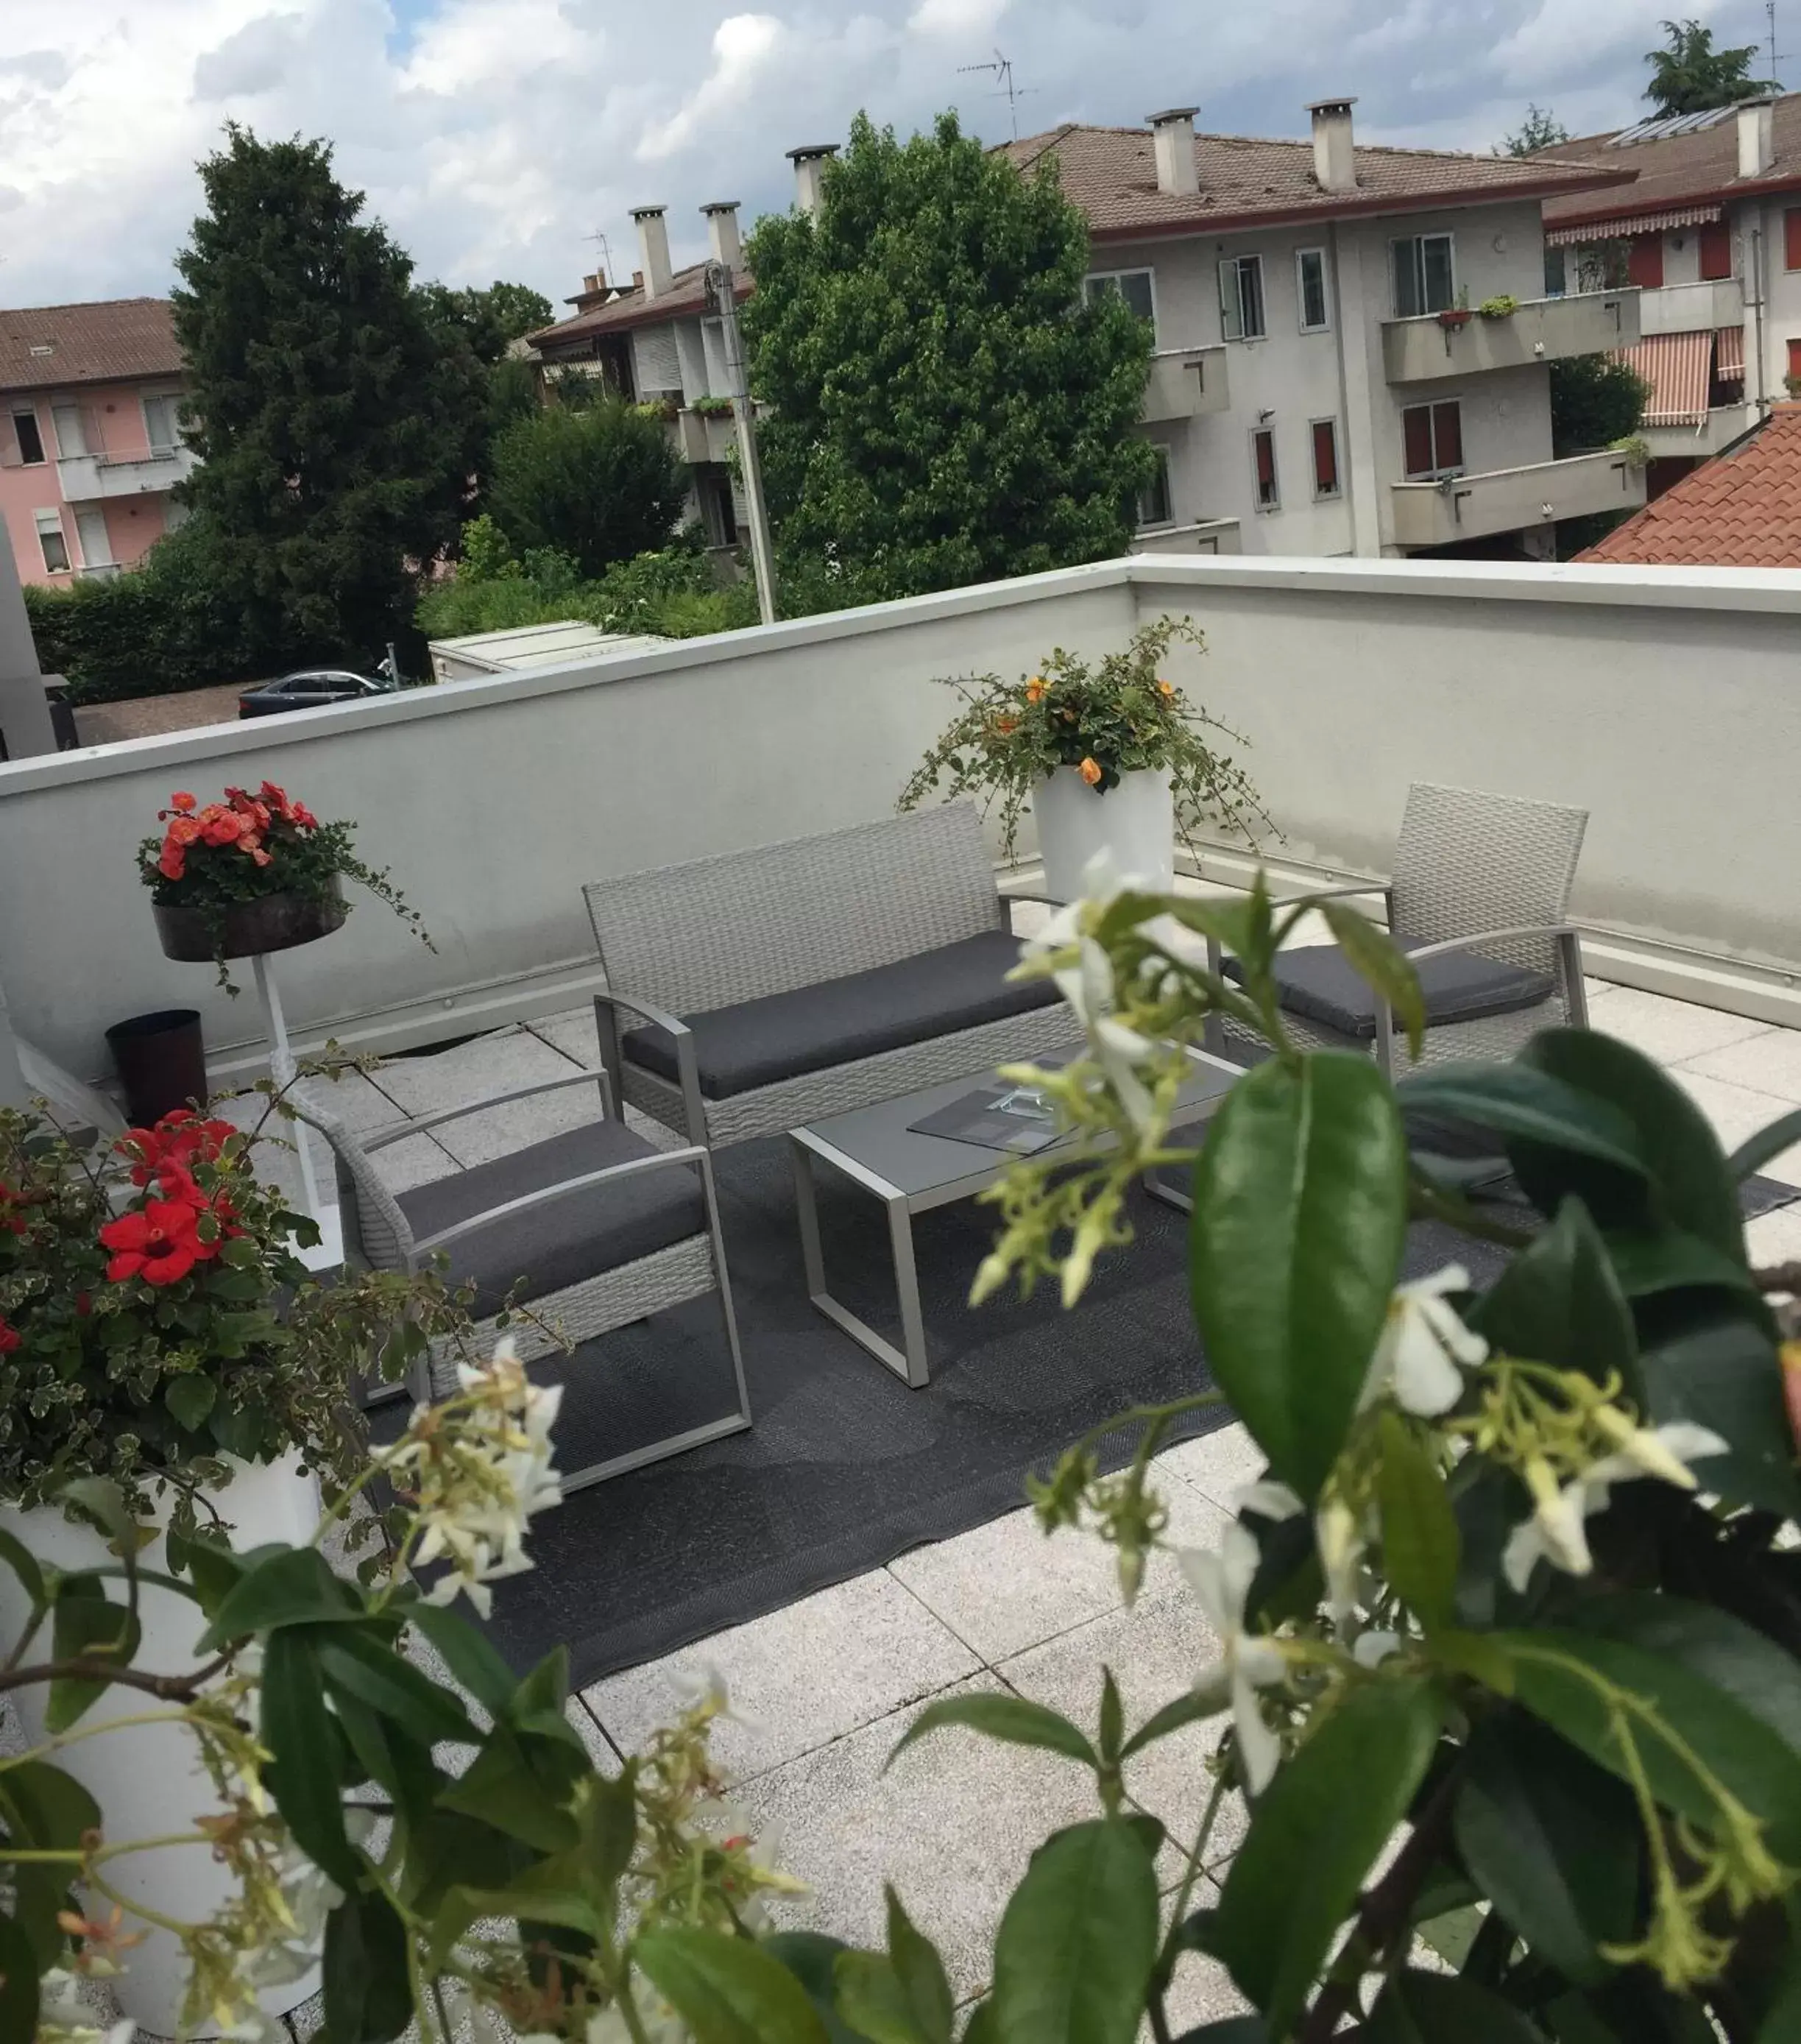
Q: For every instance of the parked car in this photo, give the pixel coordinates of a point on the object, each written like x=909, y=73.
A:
x=307, y=689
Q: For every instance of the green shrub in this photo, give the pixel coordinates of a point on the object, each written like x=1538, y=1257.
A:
x=600, y=485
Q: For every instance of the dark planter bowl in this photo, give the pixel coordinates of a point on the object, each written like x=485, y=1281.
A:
x=274, y=923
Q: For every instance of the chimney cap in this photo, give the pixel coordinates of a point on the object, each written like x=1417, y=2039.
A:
x=648, y=212
x=1172, y=113
x=810, y=151
x=1340, y=102
x=721, y=206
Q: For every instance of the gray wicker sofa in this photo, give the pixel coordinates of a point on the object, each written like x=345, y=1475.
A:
x=748, y=994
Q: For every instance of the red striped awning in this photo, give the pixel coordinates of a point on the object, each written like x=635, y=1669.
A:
x=1628, y=225
x=1728, y=358
x=1676, y=365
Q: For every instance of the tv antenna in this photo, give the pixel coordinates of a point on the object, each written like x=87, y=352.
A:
x=603, y=248
x=1770, y=10
x=1002, y=69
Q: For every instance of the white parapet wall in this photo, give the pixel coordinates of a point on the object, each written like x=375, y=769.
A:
x=1665, y=701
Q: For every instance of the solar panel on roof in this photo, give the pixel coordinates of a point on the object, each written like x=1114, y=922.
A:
x=1661, y=126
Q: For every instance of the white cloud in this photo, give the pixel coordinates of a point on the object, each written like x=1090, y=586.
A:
x=956, y=17
x=742, y=46
x=474, y=44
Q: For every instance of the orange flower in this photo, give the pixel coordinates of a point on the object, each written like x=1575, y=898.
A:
x=1090, y=772
x=184, y=803
x=1167, y=688
x=1004, y=726
x=1036, y=689
x=1791, y=1385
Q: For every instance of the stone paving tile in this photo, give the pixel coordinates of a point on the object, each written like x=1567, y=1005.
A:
x=951, y=1824
x=1007, y=1585
x=1775, y=1238
x=1217, y=1465
x=496, y=1064
x=1670, y=1031
x=1736, y=1113
x=572, y=1032
x=803, y=1676
x=1768, y=1063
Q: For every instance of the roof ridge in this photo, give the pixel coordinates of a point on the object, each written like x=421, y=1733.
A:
x=84, y=305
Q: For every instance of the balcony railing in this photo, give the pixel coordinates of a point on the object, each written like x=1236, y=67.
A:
x=1692, y=308
x=1186, y=383
x=1204, y=536
x=1437, y=344
x=87, y=476
x=1721, y=427
x=1467, y=506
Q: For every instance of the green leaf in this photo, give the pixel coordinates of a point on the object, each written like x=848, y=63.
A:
x=1381, y=962
x=17, y=1557
x=610, y=1826
x=18, y=1985
x=368, y=1992
x=1074, y=1953
x=370, y=1668
x=101, y=1502
x=545, y=1689
x=502, y=1787
x=467, y=1655
x=1782, y=2024
x=190, y=1399
x=1191, y=1707
x=1421, y=1548
x=87, y=1626
x=728, y=1990
x=1013, y=1718
x=1229, y=2030
x=1299, y=1217
x=809, y=1956
x=1520, y=1102
x=1553, y=1840
x=1647, y=1262
x=1757, y=1150
x=297, y=1731
x=1430, y=2008
x=45, y=1808
x=291, y=1586
x=1112, y=1718
x=1314, y=1834
x=1559, y=1301
x=1723, y=1372
x=921, y=1974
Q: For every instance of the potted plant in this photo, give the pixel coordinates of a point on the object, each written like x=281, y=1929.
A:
x=160, y=1338
x=1110, y=754
x=1503, y=305
x=1453, y=317
x=252, y=874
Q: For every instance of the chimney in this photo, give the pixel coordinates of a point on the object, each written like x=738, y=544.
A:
x=1172, y=136
x=809, y=163
x=722, y=232
x=1757, y=138
x=653, y=245
x=1334, y=163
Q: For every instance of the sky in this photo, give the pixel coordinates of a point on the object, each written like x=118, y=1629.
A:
x=495, y=138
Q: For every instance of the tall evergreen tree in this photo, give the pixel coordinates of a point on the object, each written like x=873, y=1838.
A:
x=947, y=406
x=1539, y=130
x=1688, y=75
x=336, y=431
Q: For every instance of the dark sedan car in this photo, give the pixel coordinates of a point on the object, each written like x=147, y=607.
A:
x=308, y=689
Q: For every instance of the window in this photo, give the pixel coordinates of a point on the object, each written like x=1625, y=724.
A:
x=1263, y=466
x=1791, y=238
x=1310, y=290
x=163, y=424
x=1557, y=273
x=30, y=437
x=1133, y=286
x=1433, y=438
x=1424, y=276
x=1716, y=251
x=1325, y=457
x=50, y=538
x=1154, y=505
x=1241, y=298
x=1645, y=261
x=71, y=435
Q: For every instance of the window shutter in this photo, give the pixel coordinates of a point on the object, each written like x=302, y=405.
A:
x=1791, y=238
x=1263, y=445
x=1447, y=435
x=1795, y=358
x=1716, y=251
x=1416, y=430
x=1325, y=457
x=1231, y=321
x=1645, y=261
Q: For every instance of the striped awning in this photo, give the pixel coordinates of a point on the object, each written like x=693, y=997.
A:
x=1676, y=365
x=1728, y=358
x=1629, y=225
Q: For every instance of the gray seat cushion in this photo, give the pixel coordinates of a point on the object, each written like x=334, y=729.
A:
x=567, y=1240
x=1318, y=980
x=934, y=993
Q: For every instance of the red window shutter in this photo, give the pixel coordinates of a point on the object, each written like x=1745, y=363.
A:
x=1791, y=238
x=1265, y=462
x=1416, y=431
x=1325, y=457
x=1447, y=435
x=1794, y=357
x=1645, y=265
x=1716, y=249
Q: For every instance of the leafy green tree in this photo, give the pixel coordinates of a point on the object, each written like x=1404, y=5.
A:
x=1688, y=75
x=1595, y=400
x=1539, y=130
x=600, y=485
x=493, y=319
x=947, y=406
x=336, y=431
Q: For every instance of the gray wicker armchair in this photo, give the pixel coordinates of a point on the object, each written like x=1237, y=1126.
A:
x=602, y=1228
x=749, y=994
x=1478, y=898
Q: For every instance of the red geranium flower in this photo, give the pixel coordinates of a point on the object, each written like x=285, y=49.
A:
x=10, y=1339
x=161, y=1244
x=183, y=802
x=11, y=1219
x=173, y=864
x=179, y=1140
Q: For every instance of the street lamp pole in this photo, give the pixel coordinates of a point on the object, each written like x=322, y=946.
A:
x=722, y=300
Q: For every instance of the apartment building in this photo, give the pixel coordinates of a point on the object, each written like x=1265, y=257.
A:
x=1710, y=232
x=1352, y=343
x=90, y=399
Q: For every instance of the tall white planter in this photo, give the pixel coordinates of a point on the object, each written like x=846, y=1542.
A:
x=146, y=1778
x=1135, y=824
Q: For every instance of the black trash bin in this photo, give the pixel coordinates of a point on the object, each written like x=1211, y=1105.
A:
x=162, y=1062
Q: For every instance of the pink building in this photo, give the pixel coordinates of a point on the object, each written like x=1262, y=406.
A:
x=90, y=402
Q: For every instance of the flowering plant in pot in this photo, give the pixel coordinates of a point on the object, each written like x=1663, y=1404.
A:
x=1110, y=745
x=252, y=872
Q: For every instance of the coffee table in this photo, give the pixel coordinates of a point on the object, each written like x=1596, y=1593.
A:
x=910, y=1174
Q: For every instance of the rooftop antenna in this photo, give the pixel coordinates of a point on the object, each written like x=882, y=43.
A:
x=1770, y=10
x=1002, y=68
x=604, y=248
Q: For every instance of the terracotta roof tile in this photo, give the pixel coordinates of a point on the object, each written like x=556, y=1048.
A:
x=43, y=346
x=685, y=299
x=1111, y=173
x=1740, y=510
x=1703, y=164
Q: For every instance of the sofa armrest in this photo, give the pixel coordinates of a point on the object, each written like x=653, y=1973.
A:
x=607, y=1005
x=1565, y=935
x=417, y=1127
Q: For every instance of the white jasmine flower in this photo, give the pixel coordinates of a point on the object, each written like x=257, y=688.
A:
x=1372, y=1649
x=1424, y=1348
x=1269, y=1499
x=1175, y=940
x=1556, y=1531
x=1247, y=1662
x=1339, y=1537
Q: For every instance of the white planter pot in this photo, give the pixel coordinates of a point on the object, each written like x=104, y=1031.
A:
x=146, y=1778
x=1135, y=824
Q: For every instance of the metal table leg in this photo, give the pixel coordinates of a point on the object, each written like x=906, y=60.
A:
x=908, y=1362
